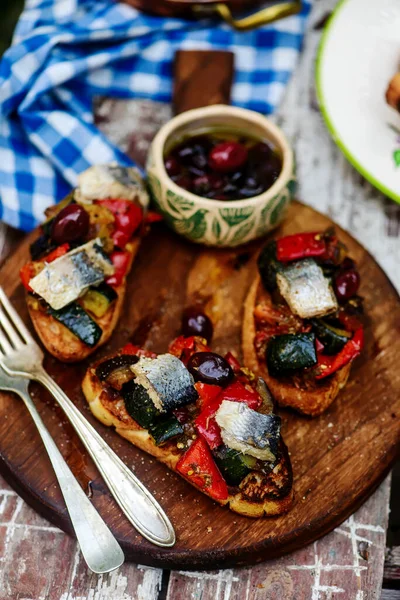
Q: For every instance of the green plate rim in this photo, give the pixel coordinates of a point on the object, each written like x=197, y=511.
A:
x=339, y=142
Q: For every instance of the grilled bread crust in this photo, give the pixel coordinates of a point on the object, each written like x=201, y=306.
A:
x=311, y=402
x=258, y=495
x=60, y=341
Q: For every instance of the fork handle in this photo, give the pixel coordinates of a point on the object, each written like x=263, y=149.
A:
x=99, y=547
x=140, y=507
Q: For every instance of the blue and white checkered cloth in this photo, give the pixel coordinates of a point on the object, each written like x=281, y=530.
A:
x=65, y=52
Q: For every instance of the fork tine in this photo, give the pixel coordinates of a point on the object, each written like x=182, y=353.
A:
x=5, y=344
x=15, y=318
x=9, y=329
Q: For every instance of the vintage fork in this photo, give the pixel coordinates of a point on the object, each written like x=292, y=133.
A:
x=22, y=357
x=99, y=547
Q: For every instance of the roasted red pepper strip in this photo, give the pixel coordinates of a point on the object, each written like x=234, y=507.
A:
x=208, y=427
x=237, y=392
x=197, y=466
x=330, y=364
x=60, y=251
x=128, y=217
x=301, y=245
x=153, y=217
x=205, y=423
x=29, y=271
x=137, y=351
x=120, y=260
x=183, y=347
x=233, y=361
x=207, y=393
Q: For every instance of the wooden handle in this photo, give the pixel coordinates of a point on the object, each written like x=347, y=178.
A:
x=202, y=78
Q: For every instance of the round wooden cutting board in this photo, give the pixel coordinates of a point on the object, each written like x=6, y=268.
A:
x=338, y=459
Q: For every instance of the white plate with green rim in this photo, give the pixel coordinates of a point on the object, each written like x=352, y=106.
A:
x=358, y=55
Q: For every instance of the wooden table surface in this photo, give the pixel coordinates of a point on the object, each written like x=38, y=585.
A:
x=39, y=562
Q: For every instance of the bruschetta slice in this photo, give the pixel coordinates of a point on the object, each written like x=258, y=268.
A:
x=301, y=326
x=222, y=437
x=76, y=279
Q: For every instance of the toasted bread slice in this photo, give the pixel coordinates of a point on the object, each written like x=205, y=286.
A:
x=257, y=495
x=59, y=340
x=310, y=401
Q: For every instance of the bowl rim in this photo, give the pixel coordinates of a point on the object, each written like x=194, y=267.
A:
x=223, y=109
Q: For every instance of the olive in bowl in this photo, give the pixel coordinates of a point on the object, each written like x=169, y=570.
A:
x=221, y=175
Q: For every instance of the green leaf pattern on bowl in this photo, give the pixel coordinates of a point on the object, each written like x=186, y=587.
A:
x=279, y=208
x=218, y=227
x=194, y=226
x=242, y=231
x=233, y=216
x=178, y=204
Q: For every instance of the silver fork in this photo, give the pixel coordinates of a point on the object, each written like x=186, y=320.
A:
x=99, y=547
x=23, y=357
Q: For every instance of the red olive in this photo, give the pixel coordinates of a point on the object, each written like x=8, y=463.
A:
x=195, y=322
x=209, y=367
x=71, y=224
x=227, y=156
x=346, y=284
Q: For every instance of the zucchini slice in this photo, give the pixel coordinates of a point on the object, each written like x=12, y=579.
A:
x=164, y=430
x=98, y=300
x=78, y=322
x=290, y=352
x=41, y=246
x=331, y=337
x=139, y=404
x=269, y=266
x=233, y=465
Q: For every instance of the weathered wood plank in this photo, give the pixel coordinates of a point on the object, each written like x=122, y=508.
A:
x=347, y=562
x=38, y=561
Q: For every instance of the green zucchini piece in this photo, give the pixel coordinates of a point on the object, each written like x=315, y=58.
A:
x=138, y=404
x=290, y=352
x=106, y=290
x=97, y=300
x=269, y=266
x=331, y=337
x=233, y=465
x=41, y=246
x=164, y=430
x=78, y=322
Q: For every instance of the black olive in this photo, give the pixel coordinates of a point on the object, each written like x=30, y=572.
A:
x=71, y=224
x=211, y=368
x=195, y=322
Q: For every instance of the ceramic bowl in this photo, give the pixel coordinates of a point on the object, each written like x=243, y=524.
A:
x=217, y=222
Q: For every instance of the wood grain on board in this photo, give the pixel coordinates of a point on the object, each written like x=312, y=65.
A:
x=338, y=459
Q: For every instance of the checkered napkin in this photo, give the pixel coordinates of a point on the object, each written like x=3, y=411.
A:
x=65, y=52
